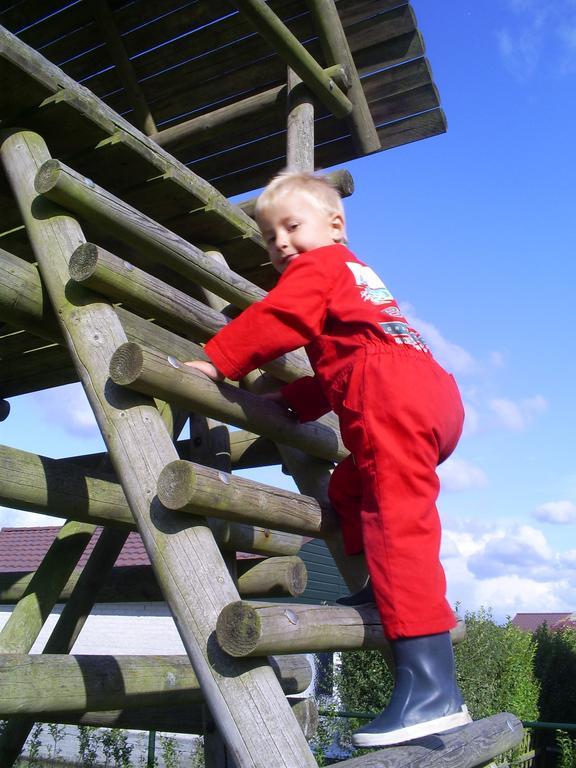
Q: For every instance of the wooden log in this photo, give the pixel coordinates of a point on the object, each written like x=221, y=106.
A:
x=295, y=55
x=218, y=122
x=37, y=683
x=282, y=576
x=67, y=628
x=107, y=26
x=299, y=124
x=27, y=619
x=341, y=180
x=273, y=575
x=247, y=629
x=159, y=376
x=181, y=718
x=102, y=271
x=22, y=299
x=244, y=698
x=57, y=487
x=467, y=747
x=196, y=489
x=248, y=450
x=80, y=195
x=337, y=51
x=23, y=305
x=4, y=410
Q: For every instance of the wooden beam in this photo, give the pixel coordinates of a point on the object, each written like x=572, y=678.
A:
x=150, y=373
x=251, y=629
x=244, y=697
x=38, y=683
x=198, y=490
x=27, y=619
x=61, y=488
x=107, y=24
x=282, y=576
x=275, y=32
x=299, y=124
x=208, y=126
x=102, y=271
x=337, y=51
x=81, y=196
x=181, y=718
x=471, y=746
x=67, y=628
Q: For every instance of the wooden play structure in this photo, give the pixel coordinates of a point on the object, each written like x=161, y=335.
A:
x=126, y=127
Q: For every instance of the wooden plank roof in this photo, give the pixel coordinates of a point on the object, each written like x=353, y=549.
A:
x=173, y=106
x=190, y=58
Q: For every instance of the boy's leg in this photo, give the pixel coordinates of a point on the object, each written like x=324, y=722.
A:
x=345, y=494
x=401, y=417
x=402, y=413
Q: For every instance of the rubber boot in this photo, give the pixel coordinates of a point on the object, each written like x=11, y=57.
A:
x=363, y=596
x=425, y=699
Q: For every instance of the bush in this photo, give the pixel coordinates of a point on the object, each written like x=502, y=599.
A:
x=495, y=668
x=555, y=664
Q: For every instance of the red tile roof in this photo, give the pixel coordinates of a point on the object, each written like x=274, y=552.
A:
x=22, y=549
x=531, y=621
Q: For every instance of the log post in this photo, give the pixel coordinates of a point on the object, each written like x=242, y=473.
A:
x=250, y=629
x=245, y=698
x=337, y=51
x=282, y=576
x=4, y=409
x=60, y=487
x=28, y=617
x=272, y=576
x=80, y=195
x=171, y=718
x=472, y=746
x=300, y=124
x=295, y=55
x=157, y=375
x=195, y=489
x=35, y=683
x=102, y=271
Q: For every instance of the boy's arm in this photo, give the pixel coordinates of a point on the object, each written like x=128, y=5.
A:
x=289, y=317
x=306, y=398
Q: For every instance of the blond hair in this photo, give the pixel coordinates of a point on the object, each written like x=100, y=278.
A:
x=319, y=191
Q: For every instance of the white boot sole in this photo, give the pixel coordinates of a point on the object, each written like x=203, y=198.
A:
x=439, y=725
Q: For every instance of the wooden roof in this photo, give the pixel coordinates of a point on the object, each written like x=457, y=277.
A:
x=171, y=107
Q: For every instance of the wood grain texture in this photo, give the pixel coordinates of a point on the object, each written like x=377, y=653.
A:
x=247, y=628
x=245, y=698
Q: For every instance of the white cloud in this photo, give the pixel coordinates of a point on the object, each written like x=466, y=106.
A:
x=459, y=475
x=68, y=407
x=516, y=415
x=556, y=512
x=542, y=38
x=510, y=568
x=15, y=518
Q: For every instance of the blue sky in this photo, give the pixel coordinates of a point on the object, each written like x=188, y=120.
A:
x=474, y=232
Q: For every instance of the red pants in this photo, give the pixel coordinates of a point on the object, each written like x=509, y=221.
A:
x=401, y=415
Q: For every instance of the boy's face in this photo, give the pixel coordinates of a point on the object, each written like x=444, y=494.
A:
x=295, y=224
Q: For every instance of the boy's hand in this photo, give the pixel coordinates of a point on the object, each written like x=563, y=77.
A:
x=207, y=368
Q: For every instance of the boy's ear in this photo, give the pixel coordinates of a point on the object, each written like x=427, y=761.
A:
x=338, y=227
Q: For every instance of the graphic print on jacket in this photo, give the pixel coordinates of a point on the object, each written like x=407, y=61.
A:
x=374, y=291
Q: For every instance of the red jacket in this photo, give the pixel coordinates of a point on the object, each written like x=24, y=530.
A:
x=332, y=304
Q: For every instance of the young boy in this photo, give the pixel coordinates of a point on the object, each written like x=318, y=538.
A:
x=400, y=415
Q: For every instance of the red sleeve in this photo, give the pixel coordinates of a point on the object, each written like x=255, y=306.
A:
x=289, y=317
x=306, y=398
